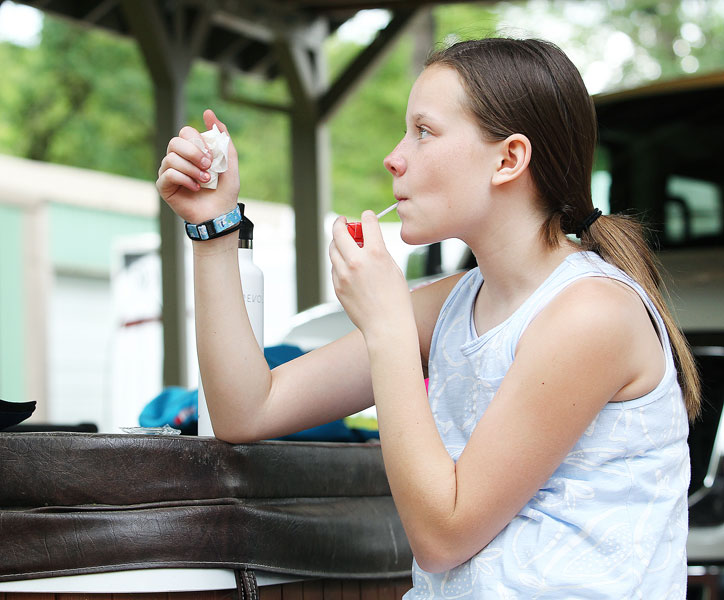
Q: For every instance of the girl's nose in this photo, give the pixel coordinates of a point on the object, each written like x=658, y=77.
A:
x=395, y=163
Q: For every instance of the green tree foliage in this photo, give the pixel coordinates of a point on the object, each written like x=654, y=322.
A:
x=681, y=37
x=365, y=130
x=261, y=137
x=625, y=43
x=465, y=21
x=81, y=97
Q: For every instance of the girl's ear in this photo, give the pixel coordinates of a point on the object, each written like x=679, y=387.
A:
x=515, y=153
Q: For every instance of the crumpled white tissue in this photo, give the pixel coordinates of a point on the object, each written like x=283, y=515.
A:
x=217, y=143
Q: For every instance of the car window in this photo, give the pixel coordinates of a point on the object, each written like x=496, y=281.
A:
x=681, y=211
x=693, y=212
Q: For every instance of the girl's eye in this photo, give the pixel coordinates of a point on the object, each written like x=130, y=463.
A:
x=422, y=133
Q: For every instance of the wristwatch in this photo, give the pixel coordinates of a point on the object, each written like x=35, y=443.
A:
x=215, y=228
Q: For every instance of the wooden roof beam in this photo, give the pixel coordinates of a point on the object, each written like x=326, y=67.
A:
x=365, y=61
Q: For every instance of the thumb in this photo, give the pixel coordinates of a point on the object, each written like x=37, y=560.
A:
x=371, y=228
x=210, y=119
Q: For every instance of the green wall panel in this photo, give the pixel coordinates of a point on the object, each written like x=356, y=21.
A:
x=12, y=315
x=82, y=238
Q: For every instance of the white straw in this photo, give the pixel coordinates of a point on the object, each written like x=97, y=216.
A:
x=388, y=209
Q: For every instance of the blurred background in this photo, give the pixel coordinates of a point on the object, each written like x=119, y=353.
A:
x=80, y=273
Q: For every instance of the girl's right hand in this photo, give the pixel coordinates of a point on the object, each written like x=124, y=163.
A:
x=184, y=168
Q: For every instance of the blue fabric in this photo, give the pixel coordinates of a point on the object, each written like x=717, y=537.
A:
x=336, y=431
x=174, y=406
x=278, y=355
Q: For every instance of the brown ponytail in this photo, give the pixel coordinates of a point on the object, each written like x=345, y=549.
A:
x=531, y=87
x=620, y=241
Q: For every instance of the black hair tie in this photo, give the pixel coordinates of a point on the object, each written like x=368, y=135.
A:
x=590, y=220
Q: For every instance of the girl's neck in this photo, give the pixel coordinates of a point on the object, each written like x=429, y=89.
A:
x=514, y=262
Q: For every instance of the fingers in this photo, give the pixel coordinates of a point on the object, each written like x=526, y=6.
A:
x=340, y=270
x=342, y=239
x=169, y=181
x=334, y=255
x=185, y=168
x=192, y=135
x=183, y=165
x=183, y=147
x=177, y=163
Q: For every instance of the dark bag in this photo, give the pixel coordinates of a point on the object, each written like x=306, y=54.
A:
x=12, y=413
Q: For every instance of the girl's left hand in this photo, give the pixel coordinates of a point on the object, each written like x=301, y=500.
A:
x=367, y=281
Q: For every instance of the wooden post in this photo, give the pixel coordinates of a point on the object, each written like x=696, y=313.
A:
x=169, y=44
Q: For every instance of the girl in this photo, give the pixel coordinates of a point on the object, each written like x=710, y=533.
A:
x=549, y=459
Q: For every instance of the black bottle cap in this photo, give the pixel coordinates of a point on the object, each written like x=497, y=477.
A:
x=246, y=231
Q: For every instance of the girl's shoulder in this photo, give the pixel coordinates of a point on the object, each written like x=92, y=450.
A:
x=598, y=299
x=609, y=323
x=585, y=292
x=588, y=288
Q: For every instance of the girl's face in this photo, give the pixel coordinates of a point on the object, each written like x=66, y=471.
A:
x=442, y=166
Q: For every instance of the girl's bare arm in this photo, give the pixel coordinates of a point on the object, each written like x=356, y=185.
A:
x=249, y=402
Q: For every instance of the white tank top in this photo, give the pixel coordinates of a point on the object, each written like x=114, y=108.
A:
x=611, y=522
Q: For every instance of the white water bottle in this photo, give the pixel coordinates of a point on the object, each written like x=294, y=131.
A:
x=252, y=280
x=252, y=283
